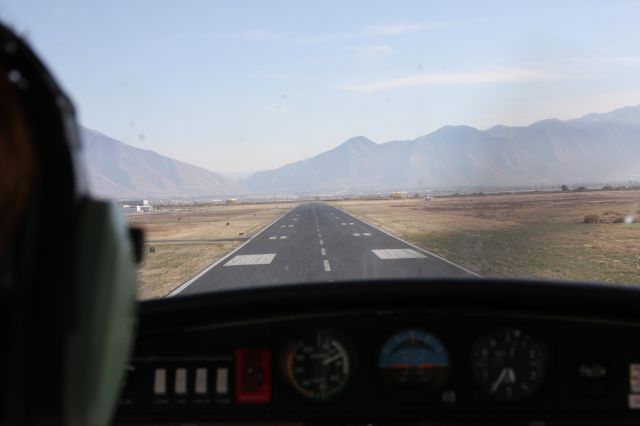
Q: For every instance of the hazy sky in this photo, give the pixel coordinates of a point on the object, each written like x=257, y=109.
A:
x=249, y=85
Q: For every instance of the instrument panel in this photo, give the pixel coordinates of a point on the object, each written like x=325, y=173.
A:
x=387, y=365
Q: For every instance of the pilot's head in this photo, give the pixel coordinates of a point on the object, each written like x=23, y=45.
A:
x=17, y=160
x=67, y=264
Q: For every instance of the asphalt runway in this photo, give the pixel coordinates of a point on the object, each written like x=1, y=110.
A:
x=316, y=242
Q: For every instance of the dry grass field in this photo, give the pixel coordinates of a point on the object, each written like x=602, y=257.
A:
x=181, y=241
x=539, y=235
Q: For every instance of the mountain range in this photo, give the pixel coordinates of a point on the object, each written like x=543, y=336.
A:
x=594, y=148
x=117, y=170
x=599, y=147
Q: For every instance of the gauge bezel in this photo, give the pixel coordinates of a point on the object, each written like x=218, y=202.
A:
x=305, y=334
x=527, y=331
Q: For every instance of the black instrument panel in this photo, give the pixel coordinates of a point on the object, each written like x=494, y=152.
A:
x=384, y=363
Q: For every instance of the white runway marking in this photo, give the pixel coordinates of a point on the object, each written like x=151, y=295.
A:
x=355, y=234
x=327, y=267
x=290, y=226
x=350, y=223
x=398, y=254
x=366, y=234
x=284, y=237
x=321, y=242
x=343, y=223
x=323, y=251
x=283, y=226
x=273, y=238
x=319, y=235
x=251, y=259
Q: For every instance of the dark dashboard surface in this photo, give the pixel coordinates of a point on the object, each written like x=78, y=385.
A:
x=395, y=352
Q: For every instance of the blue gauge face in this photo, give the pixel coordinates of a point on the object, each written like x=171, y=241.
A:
x=414, y=361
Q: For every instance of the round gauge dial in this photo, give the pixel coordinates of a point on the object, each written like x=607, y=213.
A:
x=509, y=365
x=318, y=366
x=413, y=363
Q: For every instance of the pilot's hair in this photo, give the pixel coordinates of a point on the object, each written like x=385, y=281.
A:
x=17, y=160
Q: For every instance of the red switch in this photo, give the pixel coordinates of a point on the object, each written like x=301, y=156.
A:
x=253, y=376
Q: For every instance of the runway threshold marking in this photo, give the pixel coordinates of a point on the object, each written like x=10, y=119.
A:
x=251, y=259
x=387, y=254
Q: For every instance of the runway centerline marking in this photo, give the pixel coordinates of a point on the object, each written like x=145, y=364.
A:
x=273, y=238
x=366, y=234
x=355, y=234
x=323, y=251
x=283, y=226
x=251, y=259
x=290, y=226
x=350, y=223
x=284, y=237
x=387, y=254
x=321, y=242
x=327, y=267
x=343, y=223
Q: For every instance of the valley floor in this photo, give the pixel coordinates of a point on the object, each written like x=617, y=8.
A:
x=535, y=235
x=181, y=241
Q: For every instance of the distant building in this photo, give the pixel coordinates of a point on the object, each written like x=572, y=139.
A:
x=231, y=201
x=135, y=206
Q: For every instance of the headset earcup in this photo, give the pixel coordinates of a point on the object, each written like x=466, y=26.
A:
x=100, y=340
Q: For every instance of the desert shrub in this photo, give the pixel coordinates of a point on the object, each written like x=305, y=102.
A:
x=592, y=218
x=611, y=217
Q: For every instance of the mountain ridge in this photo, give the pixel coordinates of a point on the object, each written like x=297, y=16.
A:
x=117, y=170
x=595, y=147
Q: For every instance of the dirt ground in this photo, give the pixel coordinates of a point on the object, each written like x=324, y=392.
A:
x=538, y=235
x=181, y=241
